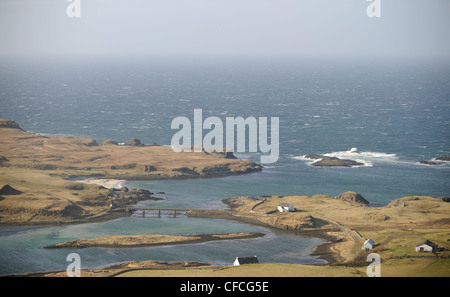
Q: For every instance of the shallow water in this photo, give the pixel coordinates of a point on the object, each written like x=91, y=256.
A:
x=22, y=251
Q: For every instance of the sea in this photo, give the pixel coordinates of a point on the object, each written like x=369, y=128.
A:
x=386, y=114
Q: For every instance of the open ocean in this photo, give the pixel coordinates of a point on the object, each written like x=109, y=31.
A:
x=395, y=113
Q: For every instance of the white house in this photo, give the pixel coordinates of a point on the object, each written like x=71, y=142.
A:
x=245, y=260
x=285, y=207
x=426, y=246
x=368, y=244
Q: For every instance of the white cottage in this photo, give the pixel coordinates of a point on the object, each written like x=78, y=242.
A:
x=368, y=244
x=426, y=246
x=245, y=260
x=285, y=207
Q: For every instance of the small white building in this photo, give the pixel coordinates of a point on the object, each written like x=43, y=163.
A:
x=285, y=207
x=426, y=246
x=245, y=260
x=368, y=244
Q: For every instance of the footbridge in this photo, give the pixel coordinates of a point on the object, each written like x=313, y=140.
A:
x=171, y=211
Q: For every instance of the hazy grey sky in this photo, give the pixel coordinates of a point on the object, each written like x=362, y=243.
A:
x=226, y=28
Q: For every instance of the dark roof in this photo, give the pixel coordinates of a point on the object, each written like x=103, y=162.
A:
x=427, y=242
x=370, y=240
x=247, y=260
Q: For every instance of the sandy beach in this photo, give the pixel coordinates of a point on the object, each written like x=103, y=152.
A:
x=107, y=183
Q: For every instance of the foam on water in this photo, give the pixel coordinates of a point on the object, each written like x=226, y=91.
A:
x=366, y=158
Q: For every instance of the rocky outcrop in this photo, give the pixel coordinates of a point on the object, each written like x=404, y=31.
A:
x=325, y=161
x=92, y=142
x=229, y=155
x=429, y=163
x=400, y=202
x=352, y=197
x=333, y=161
x=292, y=221
x=134, y=142
x=185, y=170
x=216, y=170
x=124, y=196
x=9, y=124
x=149, y=168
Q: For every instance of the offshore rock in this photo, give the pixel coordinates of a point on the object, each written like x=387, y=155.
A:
x=429, y=163
x=333, y=161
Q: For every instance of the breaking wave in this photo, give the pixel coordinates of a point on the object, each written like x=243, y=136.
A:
x=366, y=158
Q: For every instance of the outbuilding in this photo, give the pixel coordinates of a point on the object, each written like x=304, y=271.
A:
x=426, y=246
x=368, y=244
x=245, y=260
x=285, y=207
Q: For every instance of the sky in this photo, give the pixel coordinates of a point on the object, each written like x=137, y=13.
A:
x=176, y=28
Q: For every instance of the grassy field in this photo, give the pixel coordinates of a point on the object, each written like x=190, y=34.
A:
x=391, y=268
x=254, y=270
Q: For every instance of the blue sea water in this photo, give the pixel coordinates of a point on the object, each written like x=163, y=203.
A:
x=396, y=113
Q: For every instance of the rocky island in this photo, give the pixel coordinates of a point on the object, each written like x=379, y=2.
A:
x=326, y=161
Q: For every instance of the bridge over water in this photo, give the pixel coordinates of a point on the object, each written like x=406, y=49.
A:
x=174, y=211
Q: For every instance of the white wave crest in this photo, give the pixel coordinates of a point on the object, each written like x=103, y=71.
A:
x=366, y=158
x=353, y=153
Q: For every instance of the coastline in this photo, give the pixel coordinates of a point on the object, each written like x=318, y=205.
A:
x=44, y=196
